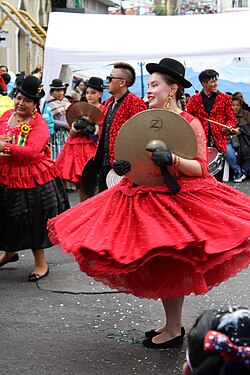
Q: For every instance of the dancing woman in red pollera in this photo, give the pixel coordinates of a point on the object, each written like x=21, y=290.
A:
x=81, y=145
x=149, y=242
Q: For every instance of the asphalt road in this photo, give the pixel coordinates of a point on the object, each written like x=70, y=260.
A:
x=67, y=324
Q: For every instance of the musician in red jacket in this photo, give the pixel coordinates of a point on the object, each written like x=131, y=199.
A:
x=214, y=105
x=117, y=110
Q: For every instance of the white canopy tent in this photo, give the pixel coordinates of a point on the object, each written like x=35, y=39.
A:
x=89, y=43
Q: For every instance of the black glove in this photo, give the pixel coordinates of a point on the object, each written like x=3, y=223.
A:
x=84, y=125
x=121, y=167
x=161, y=158
x=90, y=129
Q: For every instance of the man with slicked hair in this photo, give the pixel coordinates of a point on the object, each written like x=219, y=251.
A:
x=122, y=105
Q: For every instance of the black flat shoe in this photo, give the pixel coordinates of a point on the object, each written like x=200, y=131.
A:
x=34, y=277
x=14, y=258
x=173, y=343
x=153, y=333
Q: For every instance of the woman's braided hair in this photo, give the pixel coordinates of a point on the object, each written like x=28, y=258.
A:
x=180, y=96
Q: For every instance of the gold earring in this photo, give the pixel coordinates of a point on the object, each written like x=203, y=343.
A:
x=33, y=112
x=168, y=101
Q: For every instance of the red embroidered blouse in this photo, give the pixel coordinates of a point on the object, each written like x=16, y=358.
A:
x=28, y=165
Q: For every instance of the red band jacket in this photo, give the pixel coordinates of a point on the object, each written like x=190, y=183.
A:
x=128, y=108
x=221, y=112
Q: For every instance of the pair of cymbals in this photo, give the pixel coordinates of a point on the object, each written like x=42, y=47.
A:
x=156, y=129
x=84, y=110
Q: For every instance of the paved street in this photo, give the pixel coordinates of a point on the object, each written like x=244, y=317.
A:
x=67, y=324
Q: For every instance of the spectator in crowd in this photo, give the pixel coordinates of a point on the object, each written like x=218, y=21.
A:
x=59, y=104
x=37, y=72
x=76, y=94
x=3, y=87
x=48, y=117
x=245, y=106
x=3, y=69
x=7, y=78
x=5, y=103
x=19, y=78
x=11, y=82
x=238, y=147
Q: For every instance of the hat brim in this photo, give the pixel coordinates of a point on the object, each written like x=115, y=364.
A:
x=25, y=93
x=58, y=88
x=98, y=88
x=158, y=68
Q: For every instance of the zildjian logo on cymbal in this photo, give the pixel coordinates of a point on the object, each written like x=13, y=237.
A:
x=155, y=124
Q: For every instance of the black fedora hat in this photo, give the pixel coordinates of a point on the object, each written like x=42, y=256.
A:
x=31, y=87
x=96, y=83
x=57, y=84
x=172, y=68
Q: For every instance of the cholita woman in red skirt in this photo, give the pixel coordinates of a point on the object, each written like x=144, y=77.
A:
x=31, y=190
x=81, y=144
x=149, y=242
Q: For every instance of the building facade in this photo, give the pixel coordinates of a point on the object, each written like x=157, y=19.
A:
x=26, y=28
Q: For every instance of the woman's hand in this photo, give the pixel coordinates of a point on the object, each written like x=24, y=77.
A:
x=121, y=167
x=84, y=126
x=162, y=158
x=81, y=124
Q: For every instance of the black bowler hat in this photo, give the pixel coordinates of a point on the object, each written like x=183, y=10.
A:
x=95, y=83
x=57, y=84
x=172, y=68
x=31, y=87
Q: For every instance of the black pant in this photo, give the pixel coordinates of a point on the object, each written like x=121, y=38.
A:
x=219, y=175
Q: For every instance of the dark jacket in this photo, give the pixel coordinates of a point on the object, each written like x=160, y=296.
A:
x=243, y=121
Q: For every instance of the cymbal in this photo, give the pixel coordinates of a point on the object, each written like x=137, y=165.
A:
x=153, y=128
x=85, y=110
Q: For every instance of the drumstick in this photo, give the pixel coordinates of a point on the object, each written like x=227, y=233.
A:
x=218, y=123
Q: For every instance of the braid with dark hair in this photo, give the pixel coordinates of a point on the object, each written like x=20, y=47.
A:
x=180, y=96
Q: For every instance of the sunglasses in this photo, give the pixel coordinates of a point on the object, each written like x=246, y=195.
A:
x=109, y=78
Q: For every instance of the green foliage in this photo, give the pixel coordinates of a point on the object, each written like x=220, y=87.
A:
x=160, y=9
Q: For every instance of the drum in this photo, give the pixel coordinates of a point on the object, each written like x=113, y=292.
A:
x=215, y=160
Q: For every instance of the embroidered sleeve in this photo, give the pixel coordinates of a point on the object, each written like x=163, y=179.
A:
x=201, y=145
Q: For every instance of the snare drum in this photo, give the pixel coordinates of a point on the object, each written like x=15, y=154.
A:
x=215, y=160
